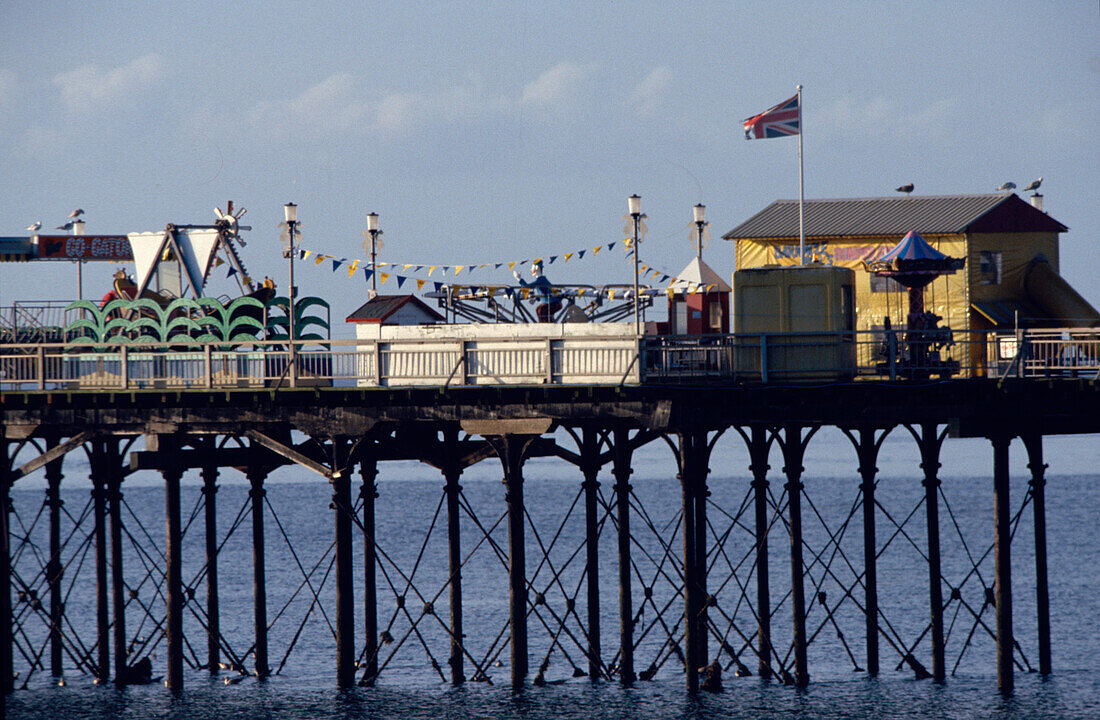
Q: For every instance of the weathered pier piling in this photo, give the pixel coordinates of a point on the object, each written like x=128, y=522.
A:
x=677, y=616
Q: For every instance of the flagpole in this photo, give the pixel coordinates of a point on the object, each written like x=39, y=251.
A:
x=801, y=199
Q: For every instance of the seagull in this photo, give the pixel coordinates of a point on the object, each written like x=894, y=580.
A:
x=66, y=226
x=908, y=188
x=1034, y=185
x=76, y=213
x=35, y=227
x=1007, y=187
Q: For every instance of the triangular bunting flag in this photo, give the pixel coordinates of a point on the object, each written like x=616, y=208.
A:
x=305, y=254
x=610, y=247
x=580, y=254
x=595, y=251
x=367, y=274
x=512, y=265
x=384, y=276
x=431, y=269
x=336, y=264
x=420, y=284
x=567, y=256
x=232, y=271
x=458, y=269
x=553, y=258
x=401, y=280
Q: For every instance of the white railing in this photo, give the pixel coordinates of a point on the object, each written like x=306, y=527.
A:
x=363, y=363
x=615, y=359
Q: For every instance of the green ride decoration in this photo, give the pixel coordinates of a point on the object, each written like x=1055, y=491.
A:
x=186, y=321
x=277, y=325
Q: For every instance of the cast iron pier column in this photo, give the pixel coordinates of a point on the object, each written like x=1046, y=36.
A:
x=210, y=508
x=621, y=470
x=1002, y=541
x=1034, y=444
x=257, y=493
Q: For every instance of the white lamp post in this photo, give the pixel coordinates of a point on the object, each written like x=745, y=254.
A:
x=290, y=212
x=699, y=215
x=634, y=207
x=78, y=231
x=372, y=228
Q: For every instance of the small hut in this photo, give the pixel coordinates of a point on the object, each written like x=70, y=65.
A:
x=698, y=301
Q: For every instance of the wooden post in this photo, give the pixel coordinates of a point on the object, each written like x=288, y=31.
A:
x=213, y=621
x=345, y=593
x=256, y=493
x=368, y=492
x=454, y=561
x=174, y=679
x=759, y=446
x=1034, y=444
x=118, y=585
x=54, y=571
x=621, y=470
x=101, y=471
x=590, y=454
x=1002, y=539
x=793, y=448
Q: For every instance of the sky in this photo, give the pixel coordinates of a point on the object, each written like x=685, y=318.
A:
x=491, y=132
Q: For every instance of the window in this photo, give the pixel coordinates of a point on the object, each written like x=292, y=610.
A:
x=714, y=314
x=989, y=267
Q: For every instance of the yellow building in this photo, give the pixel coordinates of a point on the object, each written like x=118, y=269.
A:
x=1010, y=246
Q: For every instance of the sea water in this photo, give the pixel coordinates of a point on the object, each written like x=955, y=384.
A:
x=412, y=564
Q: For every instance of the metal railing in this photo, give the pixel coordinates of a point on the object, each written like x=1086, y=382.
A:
x=617, y=359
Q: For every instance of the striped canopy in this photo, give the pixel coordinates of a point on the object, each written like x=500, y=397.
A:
x=913, y=262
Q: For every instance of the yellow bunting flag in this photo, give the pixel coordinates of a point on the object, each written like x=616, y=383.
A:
x=596, y=250
x=420, y=284
x=320, y=259
x=353, y=267
x=458, y=269
x=610, y=294
x=512, y=265
x=581, y=292
x=408, y=266
x=384, y=276
x=567, y=256
x=306, y=254
x=431, y=269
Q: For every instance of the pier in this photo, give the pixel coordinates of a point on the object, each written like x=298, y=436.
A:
x=590, y=401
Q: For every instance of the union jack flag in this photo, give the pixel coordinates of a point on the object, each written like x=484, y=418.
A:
x=780, y=121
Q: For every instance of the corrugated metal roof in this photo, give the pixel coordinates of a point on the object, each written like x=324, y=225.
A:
x=931, y=215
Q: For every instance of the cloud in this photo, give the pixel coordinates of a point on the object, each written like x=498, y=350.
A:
x=562, y=85
x=882, y=116
x=338, y=104
x=648, y=94
x=89, y=88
